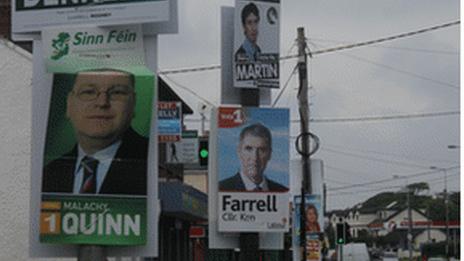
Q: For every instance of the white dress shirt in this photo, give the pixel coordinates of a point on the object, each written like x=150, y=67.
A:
x=104, y=157
x=250, y=185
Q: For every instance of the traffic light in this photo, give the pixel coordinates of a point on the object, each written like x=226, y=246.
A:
x=340, y=236
x=203, y=152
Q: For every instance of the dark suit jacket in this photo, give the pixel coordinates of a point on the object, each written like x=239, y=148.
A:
x=241, y=56
x=126, y=175
x=235, y=183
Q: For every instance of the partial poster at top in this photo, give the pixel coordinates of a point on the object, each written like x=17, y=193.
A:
x=31, y=16
x=253, y=165
x=95, y=168
x=256, y=44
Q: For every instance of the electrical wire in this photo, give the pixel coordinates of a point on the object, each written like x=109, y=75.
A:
x=385, y=117
x=375, y=118
x=393, y=162
x=401, y=48
x=440, y=179
x=384, y=39
x=328, y=50
x=188, y=90
x=431, y=172
x=285, y=86
x=415, y=75
x=386, y=154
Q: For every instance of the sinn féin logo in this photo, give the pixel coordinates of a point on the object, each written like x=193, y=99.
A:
x=61, y=45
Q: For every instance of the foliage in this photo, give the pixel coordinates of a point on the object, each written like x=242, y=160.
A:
x=365, y=237
x=417, y=188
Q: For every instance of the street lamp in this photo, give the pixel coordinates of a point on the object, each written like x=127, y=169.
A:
x=408, y=202
x=445, y=192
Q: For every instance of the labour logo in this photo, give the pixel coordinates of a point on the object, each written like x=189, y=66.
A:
x=61, y=45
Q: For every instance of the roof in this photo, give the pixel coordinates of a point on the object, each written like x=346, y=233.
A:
x=183, y=201
x=166, y=93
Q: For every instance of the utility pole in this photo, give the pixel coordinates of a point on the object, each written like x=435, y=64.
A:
x=303, y=105
x=249, y=242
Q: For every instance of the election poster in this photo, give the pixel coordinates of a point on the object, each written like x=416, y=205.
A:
x=95, y=169
x=31, y=16
x=256, y=44
x=185, y=151
x=169, y=121
x=253, y=165
x=313, y=228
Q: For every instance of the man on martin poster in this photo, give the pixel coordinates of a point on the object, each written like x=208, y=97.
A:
x=256, y=44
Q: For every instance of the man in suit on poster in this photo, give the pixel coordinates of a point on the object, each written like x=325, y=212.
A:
x=109, y=157
x=249, y=50
x=254, y=151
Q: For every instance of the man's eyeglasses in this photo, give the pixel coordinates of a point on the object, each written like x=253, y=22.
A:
x=116, y=93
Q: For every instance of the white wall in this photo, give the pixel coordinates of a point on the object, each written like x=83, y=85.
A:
x=15, y=144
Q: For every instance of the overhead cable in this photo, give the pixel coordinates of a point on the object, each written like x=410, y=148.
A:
x=385, y=117
x=384, y=39
x=371, y=118
x=401, y=71
x=328, y=50
x=285, y=86
x=425, y=173
x=190, y=91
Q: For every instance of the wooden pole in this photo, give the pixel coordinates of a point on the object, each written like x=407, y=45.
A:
x=249, y=242
x=303, y=104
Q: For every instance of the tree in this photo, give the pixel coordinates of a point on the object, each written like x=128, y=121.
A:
x=417, y=188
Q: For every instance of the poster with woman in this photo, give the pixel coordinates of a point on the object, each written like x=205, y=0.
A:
x=314, y=223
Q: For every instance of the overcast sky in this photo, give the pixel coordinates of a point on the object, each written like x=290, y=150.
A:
x=412, y=75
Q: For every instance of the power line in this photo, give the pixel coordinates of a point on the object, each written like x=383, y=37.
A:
x=382, y=188
x=391, y=179
x=285, y=86
x=387, y=154
x=373, y=118
x=385, y=117
x=401, y=71
x=401, y=48
x=393, y=162
x=384, y=39
x=329, y=50
x=188, y=90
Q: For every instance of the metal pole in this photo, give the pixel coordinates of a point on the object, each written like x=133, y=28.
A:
x=340, y=256
x=303, y=104
x=446, y=216
x=91, y=253
x=409, y=224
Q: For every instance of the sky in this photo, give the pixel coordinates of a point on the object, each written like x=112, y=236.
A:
x=407, y=76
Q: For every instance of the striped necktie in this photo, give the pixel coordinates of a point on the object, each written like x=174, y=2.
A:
x=89, y=183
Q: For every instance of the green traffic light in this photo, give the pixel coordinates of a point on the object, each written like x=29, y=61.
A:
x=204, y=153
x=340, y=241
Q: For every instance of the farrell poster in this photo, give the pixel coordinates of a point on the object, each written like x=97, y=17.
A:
x=253, y=163
x=95, y=170
x=256, y=44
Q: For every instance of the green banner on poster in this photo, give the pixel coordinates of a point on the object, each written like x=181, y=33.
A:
x=93, y=220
